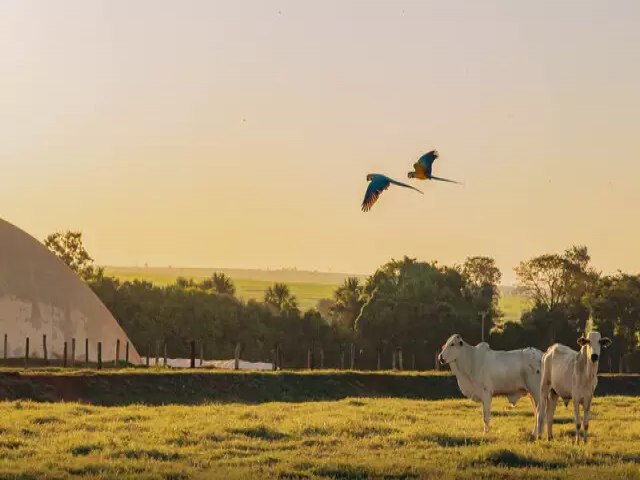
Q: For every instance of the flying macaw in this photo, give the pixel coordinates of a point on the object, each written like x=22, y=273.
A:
x=423, y=168
x=378, y=184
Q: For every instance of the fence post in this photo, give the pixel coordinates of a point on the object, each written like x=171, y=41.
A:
x=64, y=356
x=321, y=358
x=126, y=353
x=309, y=360
x=148, y=354
x=117, y=360
x=73, y=352
x=157, y=352
x=86, y=352
x=393, y=358
x=353, y=357
x=201, y=352
x=26, y=353
x=236, y=362
x=44, y=348
x=99, y=355
x=341, y=357
x=193, y=354
x=274, y=361
x=400, y=362
x=165, y=354
x=436, y=363
x=5, y=346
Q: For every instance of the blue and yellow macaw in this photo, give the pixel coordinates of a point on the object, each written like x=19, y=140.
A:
x=378, y=183
x=423, y=168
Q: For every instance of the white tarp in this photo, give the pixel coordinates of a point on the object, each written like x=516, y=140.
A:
x=223, y=364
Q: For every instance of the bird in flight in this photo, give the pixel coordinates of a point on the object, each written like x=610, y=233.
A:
x=378, y=183
x=422, y=168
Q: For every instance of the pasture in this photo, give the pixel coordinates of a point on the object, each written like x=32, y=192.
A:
x=308, y=287
x=353, y=438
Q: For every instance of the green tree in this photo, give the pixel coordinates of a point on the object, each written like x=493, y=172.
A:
x=615, y=306
x=220, y=283
x=280, y=297
x=69, y=248
x=348, y=303
x=482, y=278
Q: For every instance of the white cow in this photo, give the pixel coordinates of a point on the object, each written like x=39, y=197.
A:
x=483, y=373
x=570, y=375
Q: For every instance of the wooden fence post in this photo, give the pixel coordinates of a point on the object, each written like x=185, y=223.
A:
x=341, y=357
x=321, y=358
x=5, y=346
x=117, y=360
x=64, y=356
x=165, y=354
x=193, y=354
x=44, y=348
x=394, y=352
x=99, y=355
x=26, y=353
x=379, y=363
x=236, y=361
x=73, y=352
x=201, y=352
x=148, y=354
x=274, y=361
x=353, y=356
x=400, y=360
x=309, y=359
x=86, y=352
x=157, y=352
x=126, y=353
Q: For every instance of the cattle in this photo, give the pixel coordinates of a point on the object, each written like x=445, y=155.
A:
x=483, y=373
x=570, y=375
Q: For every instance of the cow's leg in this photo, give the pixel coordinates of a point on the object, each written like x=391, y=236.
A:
x=576, y=414
x=534, y=404
x=542, y=408
x=551, y=409
x=587, y=416
x=486, y=410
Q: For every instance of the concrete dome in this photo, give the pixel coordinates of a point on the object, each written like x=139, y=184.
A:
x=40, y=295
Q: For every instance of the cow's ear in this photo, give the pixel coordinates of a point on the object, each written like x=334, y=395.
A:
x=605, y=342
x=583, y=341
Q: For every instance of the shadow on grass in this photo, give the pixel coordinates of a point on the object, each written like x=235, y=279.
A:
x=508, y=458
x=444, y=440
x=355, y=472
x=260, y=433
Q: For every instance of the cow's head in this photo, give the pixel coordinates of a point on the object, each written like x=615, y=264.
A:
x=594, y=343
x=451, y=349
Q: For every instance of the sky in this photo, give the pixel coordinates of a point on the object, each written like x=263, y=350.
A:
x=240, y=133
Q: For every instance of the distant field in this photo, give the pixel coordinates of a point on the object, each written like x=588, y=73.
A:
x=308, y=287
x=349, y=439
x=513, y=305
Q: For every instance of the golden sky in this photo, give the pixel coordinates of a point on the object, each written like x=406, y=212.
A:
x=239, y=133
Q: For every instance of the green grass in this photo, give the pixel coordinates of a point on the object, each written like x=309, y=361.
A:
x=348, y=439
x=312, y=286
x=513, y=306
x=307, y=293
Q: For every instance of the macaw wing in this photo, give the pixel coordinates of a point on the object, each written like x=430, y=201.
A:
x=375, y=188
x=427, y=161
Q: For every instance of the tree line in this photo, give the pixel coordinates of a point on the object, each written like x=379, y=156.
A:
x=403, y=312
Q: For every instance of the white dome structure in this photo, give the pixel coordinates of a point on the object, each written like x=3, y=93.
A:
x=40, y=295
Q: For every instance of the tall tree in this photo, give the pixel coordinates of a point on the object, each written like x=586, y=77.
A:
x=559, y=285
x=69, y=248
x=348, y=303
x=615, y=307
x=280, y=297
x=219, y=282
x=482, y=279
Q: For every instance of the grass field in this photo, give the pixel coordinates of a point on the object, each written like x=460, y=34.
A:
x=348, y=439
x=308, y=287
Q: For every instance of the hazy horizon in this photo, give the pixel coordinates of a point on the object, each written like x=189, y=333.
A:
x=239, y=134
